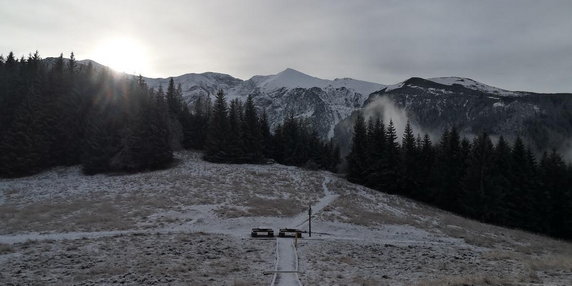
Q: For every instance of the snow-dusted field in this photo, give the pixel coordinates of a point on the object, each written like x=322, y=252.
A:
x=190, y=225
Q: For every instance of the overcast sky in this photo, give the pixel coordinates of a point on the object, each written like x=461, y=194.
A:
x=517, y=45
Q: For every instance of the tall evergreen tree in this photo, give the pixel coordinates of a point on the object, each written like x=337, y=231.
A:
x=449, y=170
x=501, y=183
x=267, y=146
x=554, y=179
x=357, y=158
x=409, y=162
x=521, y=187
x=252, y=133
x=218, y=131
x=235, y=148
x=478, y=200
x=426, y=159
x=390, y=175
x=197, y=124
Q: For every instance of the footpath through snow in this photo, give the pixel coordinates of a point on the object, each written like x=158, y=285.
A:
x=286, y=252
x=287, y=261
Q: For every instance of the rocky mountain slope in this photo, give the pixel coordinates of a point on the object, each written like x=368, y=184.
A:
x=322, y=102
x=432, y=105
x=543, y=120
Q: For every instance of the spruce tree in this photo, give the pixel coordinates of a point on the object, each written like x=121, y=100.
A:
x=409, y=163
x=252, y=133
x=478, y=200
x=197, y=127
x=522, y=193
x=390, y=175
x=357, y=158
x=376, y=153
x=449, y=170
x=501, y=187
x=235, y=147
x=554, y=180
x=218, y=131
x=426, y=162
x=267, y=146
x=174, y=99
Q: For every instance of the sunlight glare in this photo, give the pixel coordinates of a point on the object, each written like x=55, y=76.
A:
x=123, y=55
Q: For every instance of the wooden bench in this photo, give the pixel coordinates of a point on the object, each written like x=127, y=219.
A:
x=290, y=232
x=262, y=232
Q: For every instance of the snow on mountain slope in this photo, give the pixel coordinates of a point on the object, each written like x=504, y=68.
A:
x=290, y=78
x=196, y=85
x=472, y=84
x=362, y=87
x=323, y=102
x=434, y=105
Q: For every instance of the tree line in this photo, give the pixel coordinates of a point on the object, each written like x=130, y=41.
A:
x=57, y=112
x=238, y=133
x=498, y=183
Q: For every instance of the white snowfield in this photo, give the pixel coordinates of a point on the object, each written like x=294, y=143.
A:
x=190, y=225
x=290, y=78
x=475, y=85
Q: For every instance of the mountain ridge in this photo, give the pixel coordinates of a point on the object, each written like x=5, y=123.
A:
x=433, y=104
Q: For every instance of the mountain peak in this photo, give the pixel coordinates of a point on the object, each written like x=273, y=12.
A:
x=291, y=78
x=292, y=73
x=290, y=70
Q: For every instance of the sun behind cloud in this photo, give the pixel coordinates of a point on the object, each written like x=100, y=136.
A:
x=122, y=54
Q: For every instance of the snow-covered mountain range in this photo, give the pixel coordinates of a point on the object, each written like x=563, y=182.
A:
x=322, y=102
x=543, y=120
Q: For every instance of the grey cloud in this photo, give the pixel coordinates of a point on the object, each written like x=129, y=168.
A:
x=520, y=45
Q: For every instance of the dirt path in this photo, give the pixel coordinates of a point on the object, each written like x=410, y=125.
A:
x=329, y=196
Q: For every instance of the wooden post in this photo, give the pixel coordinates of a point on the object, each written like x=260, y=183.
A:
x=310, y=221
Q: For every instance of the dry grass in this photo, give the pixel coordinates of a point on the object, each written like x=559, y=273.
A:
x=148, y=259
x=367, y=282
x=5, y=248
x=501, y=255
x=550, y=263
x=77, y=215
x=361, y=211
x=66, y=202
x=465, y=280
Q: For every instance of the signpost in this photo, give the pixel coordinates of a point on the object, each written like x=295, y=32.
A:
x=310, y=221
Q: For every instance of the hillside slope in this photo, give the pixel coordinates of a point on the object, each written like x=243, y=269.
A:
x=191, y=224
